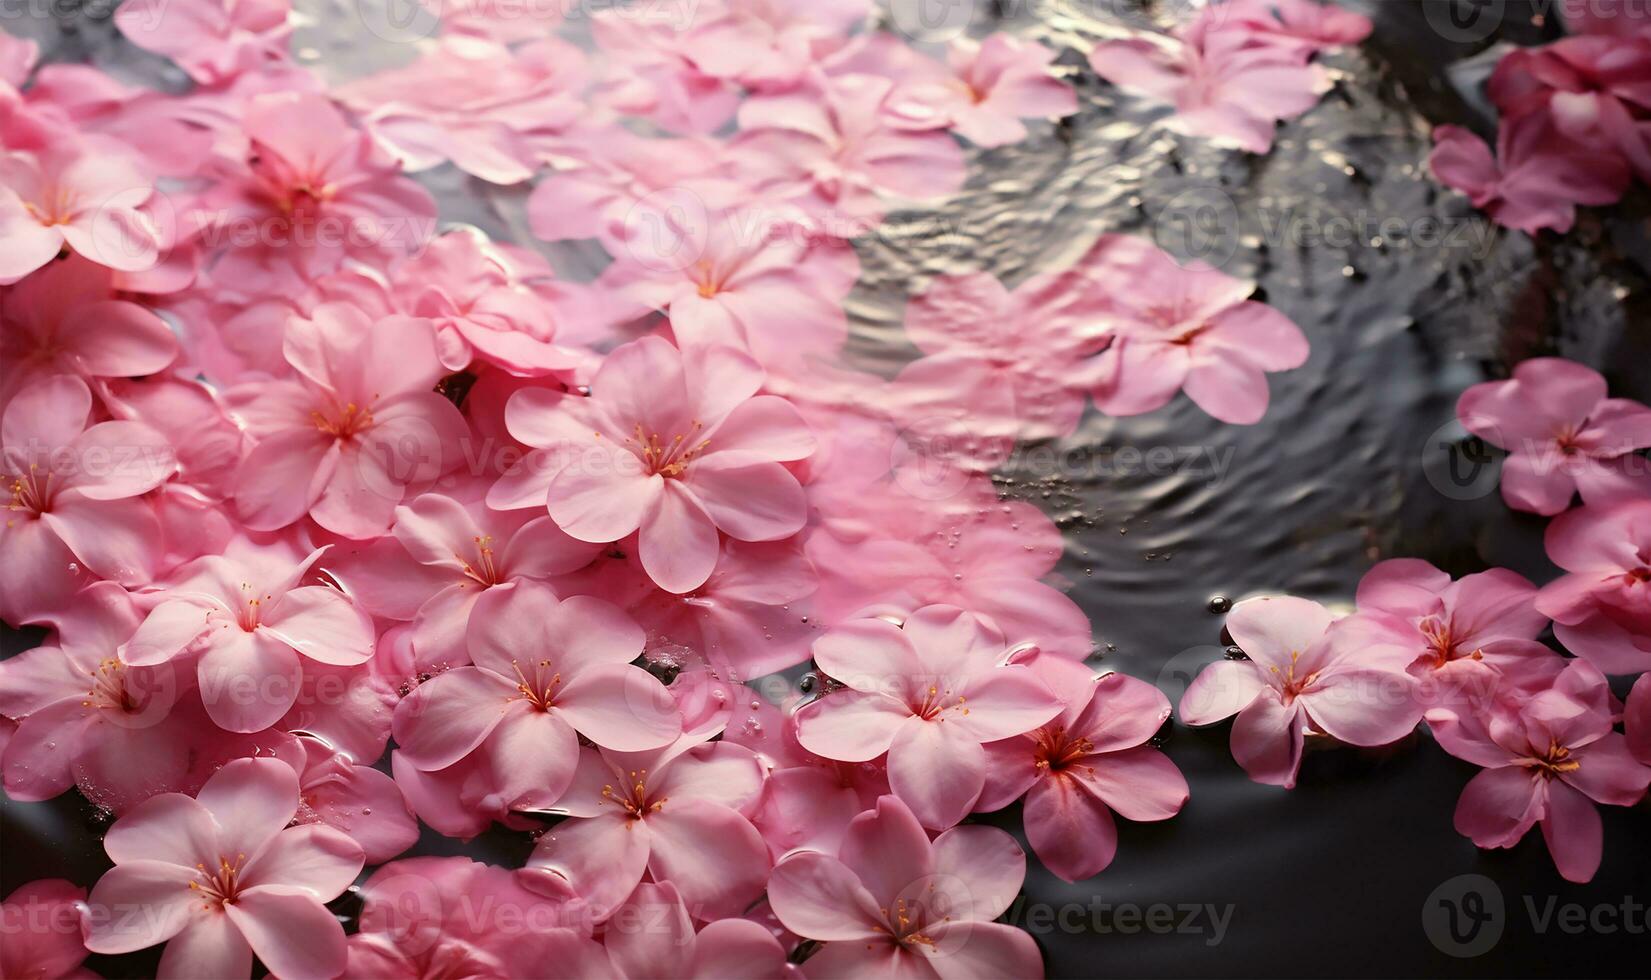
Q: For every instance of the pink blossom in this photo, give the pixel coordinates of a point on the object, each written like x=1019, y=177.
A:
x=254, y=625
x=1535, y=180
x=1088, y=761
x=997, y=83
x=43, y=932
x=893, y=903
x=653, y=72
x=356, y=432
x=652, y=936
x=1602, y=608
x=1563, y=436
x=1547, y=759
x=927, y=693
x=1307, y=26
x=1636, y=720
x=768, y=45
x=220, y=877
x=85, y=195
x=451, y=916
x=1597, y=91
x=355, y=799
x=1296, y=679
x=212, y=40
x=1222, y=86
x=678, y=813
x=1186, y=328
x=700, y=453
x=76, y=496
x=543, y=671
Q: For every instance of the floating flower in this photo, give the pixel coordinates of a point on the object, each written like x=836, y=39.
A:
x=1602, y=608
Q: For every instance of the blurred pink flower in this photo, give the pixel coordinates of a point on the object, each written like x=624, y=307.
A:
x=997, y=82
x=1536, y=178
x=666, y=947
x=1596, y=90
x=1636, y=719
x=85, y=195
x=212, y=40
x=43, y=932
x=1602, y=608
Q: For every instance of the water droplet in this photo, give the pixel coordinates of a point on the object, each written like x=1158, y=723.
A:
x=1220, y=604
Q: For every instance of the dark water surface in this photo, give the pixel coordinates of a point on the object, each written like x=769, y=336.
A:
x=1358, y=459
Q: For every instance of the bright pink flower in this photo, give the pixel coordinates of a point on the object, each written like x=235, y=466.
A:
x=1222, y=86
x=678, y=445
x=1088, y=761
x=1597, y=91
x=1185, y=327
x=1535, y=180
x=1602, y=609
x=356, y=432
x=927, y=693
x=998, y=82
x=893, y=903
x=43, y=932
x=1636, y=719
x=86, y=196
x=463, y=551
x=1296, y=680
x=212, y=40
x=475, y=102
x=678, y=813
x=254, y=626
x=652, y=938
x=1547, y=759
x=433, y=917
x=65, y=319
x=357, y=800
x=1563, y=436
x=544, y=671
x=221, y=877
x=75, y=496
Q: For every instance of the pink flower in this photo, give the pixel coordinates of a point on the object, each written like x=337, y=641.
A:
x=1307, y=26
x=75, y=496
x=1186, y=328
x=1602, y=609
x=65, y=319
x=85, y=195
x=767, y=45
x=354, y=433
x=695, y=455
x=927, y=693
x=544, y=671
x=653, y=937
x=1089, y=760
x=462, y=551
x=356, y=800
x=1297, y=679
x=652, y=71
x=1535, y=180
x=43, y=932
x=678, y=813
x=221, y=877
x=1636, y=720
x=998, y=82
x=1222, y=86
x=254, y=625
x=451, y=916
x=1597, y=91
x=893, y=903
x=1545, y=758
x=1563, y=435
x=212, y=40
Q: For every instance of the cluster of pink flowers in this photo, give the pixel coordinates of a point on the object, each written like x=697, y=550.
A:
x=1574, y=127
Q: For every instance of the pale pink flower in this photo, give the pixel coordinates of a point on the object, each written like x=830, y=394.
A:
x=545, y=671
x=1296, y=680
x=1088, y=761
x=1563, y=436
x=996, y=83
x=1602, y=608
x=212, y=40
x=893, y=903
x=1189, y=328
x=43, y=932
x=1305, y=26
x=679, y=813
x=676, y=445
x=927, y=693
x=358, y=430
x=451, y=916
x=1536, y=178
x=355, y=799
x=652, y=938
x=254, y=625
x=85, y=195
x=767, y=45
x=652, y=72
x=1547, y=758
x=76, y=496
x=18, y=56
x=221, y=877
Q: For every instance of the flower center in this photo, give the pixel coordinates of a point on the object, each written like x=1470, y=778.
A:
x=31, y=492
x=935, y=702
x=1289, y=685
x=541, y=693
x=486, y=569
x=220, y=886
x=906, y=924
x=1639, y=576
x=108, y=688
x=1553, y=762
x=56, y=207
x=1056, y=748
x=668, y=458
x=1442, y=644
x=344, y=423
x=633, y=796
x=251, y=612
